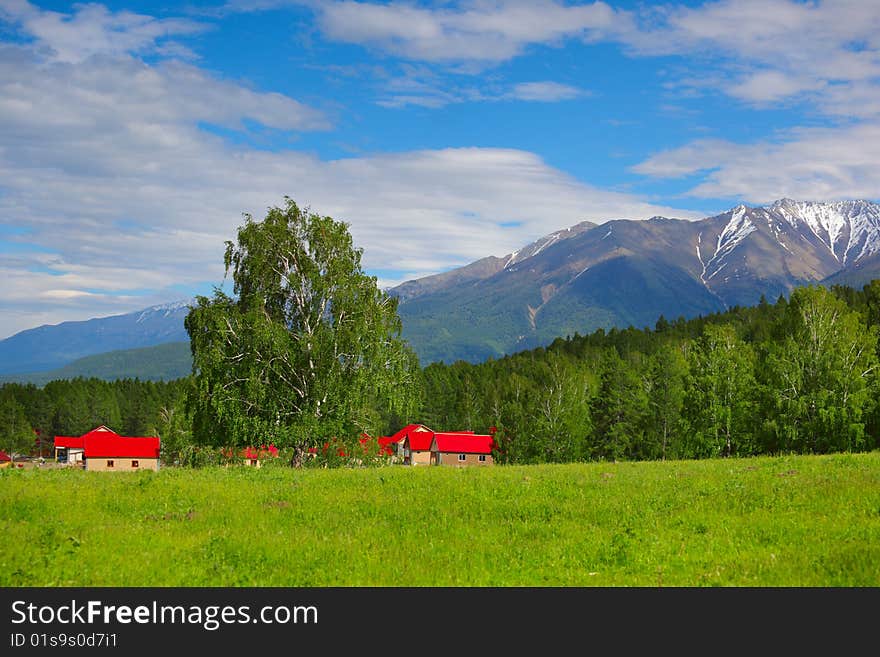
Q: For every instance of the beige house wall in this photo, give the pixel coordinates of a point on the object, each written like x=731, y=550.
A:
x=121, y=464
x=469, y=459
x=420, y=458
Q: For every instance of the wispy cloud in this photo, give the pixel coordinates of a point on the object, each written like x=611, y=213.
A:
x=115, y=186
x=756, y=51
x=816, y=163
x=824, y=55
x=545, y=92
x=94, y=30
x=475, y=31
x=768, y=50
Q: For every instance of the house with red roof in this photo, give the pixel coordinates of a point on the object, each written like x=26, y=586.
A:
x=4, y=459
x=102, y=449
x=419, y=445
x=69, y=450
x=461, y=448
x=414, y=444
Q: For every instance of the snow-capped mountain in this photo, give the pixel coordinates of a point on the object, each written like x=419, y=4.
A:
x=787, y=243
x=627, y=272
x=578, y=279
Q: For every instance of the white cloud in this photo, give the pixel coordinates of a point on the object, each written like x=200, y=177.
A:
x=545, y=91
x=757, y=51
x=123, y=196
x=94, y=30
x=769, y=50
x=767, y=87
x=477, y=31
x=814, y=164
x=425, y=89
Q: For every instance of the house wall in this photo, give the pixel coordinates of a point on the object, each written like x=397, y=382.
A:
x=74, y=454
x=470, y=459
x=121, y=464
x=420, y=458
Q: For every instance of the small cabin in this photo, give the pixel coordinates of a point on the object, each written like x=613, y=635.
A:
x=461, y=448
x=414, y=444
x=102, y=449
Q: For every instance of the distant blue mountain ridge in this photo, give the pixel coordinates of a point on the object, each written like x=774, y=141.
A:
x=575, y=280
x=51, y=347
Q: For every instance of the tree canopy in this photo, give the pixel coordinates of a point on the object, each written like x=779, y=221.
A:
x=308, y=345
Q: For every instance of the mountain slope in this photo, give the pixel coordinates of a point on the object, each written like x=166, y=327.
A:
x=630, y=272
x=163, y=362
x=575, y=280
x=485, y=267
x=49, y=347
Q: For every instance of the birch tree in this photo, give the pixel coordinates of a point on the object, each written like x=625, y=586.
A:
x=722, y=390
x=304, y=346
x=823, y=375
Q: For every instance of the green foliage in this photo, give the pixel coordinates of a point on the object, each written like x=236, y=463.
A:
x=721, y=405
x=711, y=386
x=790, y=376
x=16, y=433
x=307, y=345
x=666, y=389
x=621, y=408
x=822, y=375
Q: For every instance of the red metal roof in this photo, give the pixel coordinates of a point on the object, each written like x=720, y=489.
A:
x=102, y=442
x=121, y=446
x=411, y=429
x=4, y=456
x=463, y=443
x=69, y=441
x=419, y=437
x=420, y=441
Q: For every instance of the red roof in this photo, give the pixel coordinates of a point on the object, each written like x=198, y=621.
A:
x=419, y=437
x=410, y=429
x=69, y=441
x=102, y=442
x=420, y=442
x=4, y=456
x=462, y=442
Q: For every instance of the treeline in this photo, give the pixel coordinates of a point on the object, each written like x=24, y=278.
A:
x=797, y=375
x=32, y=416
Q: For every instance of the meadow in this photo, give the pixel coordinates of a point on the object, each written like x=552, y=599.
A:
x=765, y=521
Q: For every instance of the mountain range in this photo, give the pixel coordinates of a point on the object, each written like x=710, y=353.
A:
x=53, y=346
x=626, y=272
x=576, y=280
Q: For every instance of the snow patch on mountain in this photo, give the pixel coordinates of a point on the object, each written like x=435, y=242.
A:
x=849, y=229
x=164, y=310
x=738, y=228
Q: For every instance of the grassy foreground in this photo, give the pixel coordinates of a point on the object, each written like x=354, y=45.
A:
x=788, y=521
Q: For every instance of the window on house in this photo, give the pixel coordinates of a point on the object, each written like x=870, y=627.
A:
x=482, y=458
x=462, y=457
x=109, y=463
x=134, y=464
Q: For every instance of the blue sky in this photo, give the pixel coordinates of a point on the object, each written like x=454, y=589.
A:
x=133, y=135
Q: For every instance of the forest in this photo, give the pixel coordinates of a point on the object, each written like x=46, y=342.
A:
x=799, y=375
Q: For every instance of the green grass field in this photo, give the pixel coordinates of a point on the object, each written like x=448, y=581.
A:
x=788, y=521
